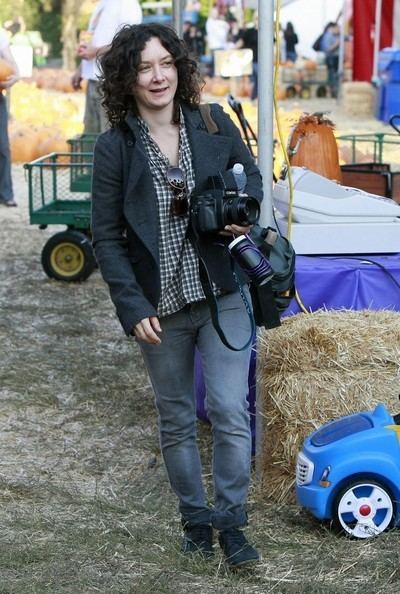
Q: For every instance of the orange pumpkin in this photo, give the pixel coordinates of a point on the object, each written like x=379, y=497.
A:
x=220, y=87
x=207, y=86
x=312, y=144
x=55, y=144
x=280, y=93
x=244, y=87
x=5, y=69
x=23, y=147
x=63, y=83
x=310, y=65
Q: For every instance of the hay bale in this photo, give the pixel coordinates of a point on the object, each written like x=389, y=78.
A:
x=315, y=368
x=357, y=87
x=358, y=99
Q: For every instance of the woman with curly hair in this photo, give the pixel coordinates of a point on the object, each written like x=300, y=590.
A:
x=147, y=166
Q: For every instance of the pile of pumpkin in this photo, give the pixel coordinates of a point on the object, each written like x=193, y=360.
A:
x=41, y=120
x=220, y=87
x=241, y=86
x=294, y=73
x=300, y=64
x=55, y=79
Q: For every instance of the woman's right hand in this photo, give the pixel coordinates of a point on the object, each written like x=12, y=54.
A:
x=148, y=329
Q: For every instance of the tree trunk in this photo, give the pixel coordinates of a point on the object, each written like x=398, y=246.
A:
x=70, y=17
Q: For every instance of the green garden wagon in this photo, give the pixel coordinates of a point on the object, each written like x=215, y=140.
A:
x=60, y=194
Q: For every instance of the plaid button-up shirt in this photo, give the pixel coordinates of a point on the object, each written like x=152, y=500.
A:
x=179, y=268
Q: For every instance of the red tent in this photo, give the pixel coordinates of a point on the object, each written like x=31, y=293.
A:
x=368, y=16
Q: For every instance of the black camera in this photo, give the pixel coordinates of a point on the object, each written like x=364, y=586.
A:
x=220, y=206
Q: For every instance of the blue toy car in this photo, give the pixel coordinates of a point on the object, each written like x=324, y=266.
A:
x=348, y=471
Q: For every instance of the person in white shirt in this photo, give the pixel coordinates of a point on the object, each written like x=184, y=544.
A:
x=107, y=18
x=217, y=30
x=6, y=188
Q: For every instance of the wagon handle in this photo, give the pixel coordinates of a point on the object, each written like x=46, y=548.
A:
x=392, y=120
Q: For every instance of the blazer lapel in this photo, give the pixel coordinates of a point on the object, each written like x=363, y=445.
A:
x=210, y=152
x=140, y=198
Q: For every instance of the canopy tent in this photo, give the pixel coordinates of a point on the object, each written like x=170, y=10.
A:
x=375, y=24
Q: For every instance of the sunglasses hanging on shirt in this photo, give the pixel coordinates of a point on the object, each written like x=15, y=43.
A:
x=180, y=202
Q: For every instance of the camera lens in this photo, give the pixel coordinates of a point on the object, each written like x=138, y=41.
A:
x=251, y=210
x=241, y=210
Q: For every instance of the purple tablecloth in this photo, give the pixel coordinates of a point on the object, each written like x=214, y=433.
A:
x=331, y=282
x=351, y=282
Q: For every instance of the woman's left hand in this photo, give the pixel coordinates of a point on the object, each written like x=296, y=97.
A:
x=236, y=230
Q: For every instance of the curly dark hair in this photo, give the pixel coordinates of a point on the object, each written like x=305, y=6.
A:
x=119, y=66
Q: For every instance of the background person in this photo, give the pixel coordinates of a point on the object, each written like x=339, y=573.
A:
x=194, y=39
x=330, y=43
x=107, y=18
x=248, y=39
x=291, y=40
x=6, y=187
x=140, y=221
x=217, y=31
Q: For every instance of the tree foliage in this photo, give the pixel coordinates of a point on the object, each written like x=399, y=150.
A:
x=70, y=25
x=57, y=20
x=38, y=15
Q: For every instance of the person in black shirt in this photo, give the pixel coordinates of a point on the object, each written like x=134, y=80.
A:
x=291, y=40
x=194, y=39
x=248, y=39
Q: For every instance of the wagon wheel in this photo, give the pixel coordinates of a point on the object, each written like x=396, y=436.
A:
x=305, y=92
x=291, y=92
x=364, y=508
x=68, y=256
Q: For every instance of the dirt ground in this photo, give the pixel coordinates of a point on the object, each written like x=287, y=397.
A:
x=85, y=503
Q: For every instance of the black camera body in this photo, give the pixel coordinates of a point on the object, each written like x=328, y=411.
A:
x=212, y=210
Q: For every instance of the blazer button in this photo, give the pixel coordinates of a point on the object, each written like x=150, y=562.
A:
x=129, y=143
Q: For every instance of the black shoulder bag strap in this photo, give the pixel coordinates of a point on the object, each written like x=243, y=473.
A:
x=206, y=283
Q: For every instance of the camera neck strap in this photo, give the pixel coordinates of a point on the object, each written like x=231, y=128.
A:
x=211, y=299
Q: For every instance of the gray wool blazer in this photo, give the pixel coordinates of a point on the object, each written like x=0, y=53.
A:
x=125, y=214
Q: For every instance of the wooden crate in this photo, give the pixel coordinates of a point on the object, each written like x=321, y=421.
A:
x=375, y=178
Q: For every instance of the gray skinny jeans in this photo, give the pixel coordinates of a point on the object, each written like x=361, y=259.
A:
x=171, y=369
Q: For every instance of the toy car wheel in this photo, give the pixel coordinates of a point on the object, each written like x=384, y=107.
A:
x=364, y=508
x=68, y=256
